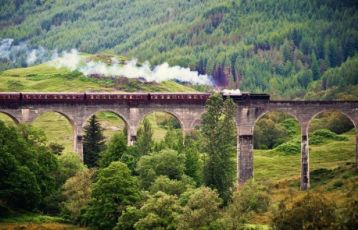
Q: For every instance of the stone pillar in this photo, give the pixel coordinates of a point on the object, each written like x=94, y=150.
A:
x=305, y=167
x=131, y=135
x=245, y=158
x=78, y=141
x=133, y=123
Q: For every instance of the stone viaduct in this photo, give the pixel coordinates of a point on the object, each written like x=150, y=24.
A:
x=189, y=115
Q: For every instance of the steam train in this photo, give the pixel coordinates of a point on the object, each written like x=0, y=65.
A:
x=201, y=98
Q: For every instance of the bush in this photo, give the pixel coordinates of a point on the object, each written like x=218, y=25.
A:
x=289, y=148
x=322, y=135
x=313, y=211
x=321, y=175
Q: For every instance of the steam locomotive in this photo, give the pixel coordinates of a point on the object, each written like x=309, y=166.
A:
x=201, y=98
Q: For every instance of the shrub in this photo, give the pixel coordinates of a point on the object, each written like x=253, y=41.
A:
x=322, y=135
x=313, y=211
x=289, y=148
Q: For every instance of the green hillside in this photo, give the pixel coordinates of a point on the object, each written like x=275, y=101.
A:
x=46, y=78
x=283, y=47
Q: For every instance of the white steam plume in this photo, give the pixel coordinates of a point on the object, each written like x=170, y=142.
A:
x=21, y=54
x=73, y=61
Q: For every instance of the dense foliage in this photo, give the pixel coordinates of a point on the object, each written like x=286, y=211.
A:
x=284, y=47
x=27, y=168
x=313, y=211
x=114, y=189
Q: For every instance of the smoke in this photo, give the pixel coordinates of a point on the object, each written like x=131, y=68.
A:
x=22, y=55
x=132, y=69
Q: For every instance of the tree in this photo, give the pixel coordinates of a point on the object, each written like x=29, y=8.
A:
x=251, y=198
x=219, y=133
x=171, y=187
x=27, y=168
x=77, y=194
x=201, y=208
x=114, y=189
x=144, y=141
x=315, y=67
x=129, y=217
x=68, y=165
x=115, y=150
x=93, y=142
x=166, y=162
x=56, y=148
x=312, y=211
x=160, y=211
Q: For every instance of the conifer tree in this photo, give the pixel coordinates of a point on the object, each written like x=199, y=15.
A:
x=219, y=143
x=93, y=142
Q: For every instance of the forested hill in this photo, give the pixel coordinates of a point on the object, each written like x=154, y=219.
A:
x=289, y=48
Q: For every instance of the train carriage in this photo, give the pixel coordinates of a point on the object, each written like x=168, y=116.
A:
x=53, y=97
x=10, y=97
x=179, y=97
x=117, y=97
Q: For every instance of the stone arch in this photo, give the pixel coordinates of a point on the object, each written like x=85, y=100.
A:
x=171, y=113
x=262, y=161
x=330, y=111
x=175, y=115
x=13, y=118
x=118, y=114
x=263, y=113
x=346, y=115
x=68, y=118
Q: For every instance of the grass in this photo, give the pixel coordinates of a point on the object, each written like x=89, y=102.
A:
x=45, y=78
x=332, y=172
x=32, y=221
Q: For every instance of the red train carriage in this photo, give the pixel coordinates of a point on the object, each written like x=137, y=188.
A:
x=53, y=97
x=116, y=97
x=10, y=97
x=179, y=97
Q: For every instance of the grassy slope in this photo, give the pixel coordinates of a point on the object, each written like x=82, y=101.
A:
x=282, y=173
x=49, y=79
